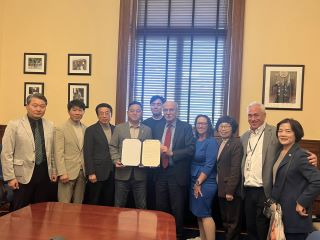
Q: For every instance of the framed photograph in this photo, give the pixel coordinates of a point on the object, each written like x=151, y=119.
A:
x=283, y=87
x=79, y=91
x=79, y=64
x=35, y=63
x=31, y=88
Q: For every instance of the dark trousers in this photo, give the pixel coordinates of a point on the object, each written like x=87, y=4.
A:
x=151, y=189
x=257, y=223
x=170, y=198
x=100, y=192
x=296, y=236
x=138, y=188
x=39, y=189
x=231, y=217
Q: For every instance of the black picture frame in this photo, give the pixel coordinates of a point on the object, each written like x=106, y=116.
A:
x=283, y=86
x=79, y=64
x=35, y=63
x=79, y=91
x=31, y=88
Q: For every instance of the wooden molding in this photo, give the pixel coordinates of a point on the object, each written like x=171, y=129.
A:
x=125, y=55
x=236, y=58
x=126, y=26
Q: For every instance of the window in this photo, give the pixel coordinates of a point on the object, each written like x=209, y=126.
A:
x=179, y=49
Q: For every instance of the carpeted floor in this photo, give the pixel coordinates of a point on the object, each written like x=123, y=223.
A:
x=193, y=233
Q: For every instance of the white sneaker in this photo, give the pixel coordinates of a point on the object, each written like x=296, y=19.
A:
x=196, y=238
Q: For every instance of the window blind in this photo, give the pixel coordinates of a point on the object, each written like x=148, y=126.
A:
x=181, y=53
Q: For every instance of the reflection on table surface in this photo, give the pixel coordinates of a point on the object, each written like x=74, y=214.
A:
x=80, y=221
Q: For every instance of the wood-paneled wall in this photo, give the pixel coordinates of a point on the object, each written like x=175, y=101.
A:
x=313, y=146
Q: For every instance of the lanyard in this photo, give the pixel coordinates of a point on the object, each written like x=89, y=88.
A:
x=255, y=146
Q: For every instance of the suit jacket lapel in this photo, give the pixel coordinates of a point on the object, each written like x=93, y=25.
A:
x=127, y=131
x=83, y=132
x=177, y=131
x=100, y=132
x=141, y=132
x=72, y=133
x=244, y=140
x=160, y=130
x=225, y=148
x=26, y=125
x=45, y=132
x=266, y=141
x=288, y=156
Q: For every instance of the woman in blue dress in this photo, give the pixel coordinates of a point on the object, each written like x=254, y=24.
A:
x=203, y=176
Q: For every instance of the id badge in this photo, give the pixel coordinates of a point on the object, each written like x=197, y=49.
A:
x=248, y=165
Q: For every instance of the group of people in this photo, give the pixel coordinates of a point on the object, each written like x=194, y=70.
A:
x=265, y=165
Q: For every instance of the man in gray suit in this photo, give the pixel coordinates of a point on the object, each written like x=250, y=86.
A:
x=260, y=145
x=68, y=148
x=129, y=178
x=26, y=157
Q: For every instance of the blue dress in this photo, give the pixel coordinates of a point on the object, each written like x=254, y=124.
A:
x=205, y=160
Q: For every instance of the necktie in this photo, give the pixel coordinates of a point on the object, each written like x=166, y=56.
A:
x=38, y=144
x=167, y=141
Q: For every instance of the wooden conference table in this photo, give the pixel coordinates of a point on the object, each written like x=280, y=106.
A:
x=80, y=221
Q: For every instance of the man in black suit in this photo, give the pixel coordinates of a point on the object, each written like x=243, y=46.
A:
x=98, y=164
x=172, y=177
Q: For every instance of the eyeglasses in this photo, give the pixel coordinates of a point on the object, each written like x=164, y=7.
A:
x=165, y=110
x=227, y=126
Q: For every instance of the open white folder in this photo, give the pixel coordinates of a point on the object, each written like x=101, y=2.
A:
x=137, y=153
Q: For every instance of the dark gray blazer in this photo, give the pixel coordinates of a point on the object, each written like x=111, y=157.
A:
x=96, y=153
x=121, y=132
x=269, y=150
x=302, y=185
x=229, y=168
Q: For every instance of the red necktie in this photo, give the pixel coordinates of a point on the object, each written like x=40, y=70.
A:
x=167, y=141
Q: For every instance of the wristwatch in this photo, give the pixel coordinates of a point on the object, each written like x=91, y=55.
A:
x=198, y=183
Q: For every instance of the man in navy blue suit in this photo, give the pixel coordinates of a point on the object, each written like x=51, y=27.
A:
x=172, y=177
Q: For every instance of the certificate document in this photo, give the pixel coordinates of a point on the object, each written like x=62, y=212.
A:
x=136, y=153
x=151, y=153
x=131, y=152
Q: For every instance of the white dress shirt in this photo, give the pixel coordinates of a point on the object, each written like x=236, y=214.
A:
x=253, y=165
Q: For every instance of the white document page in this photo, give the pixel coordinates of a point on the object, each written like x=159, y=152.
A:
x=151, y=153
x=131, y=152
